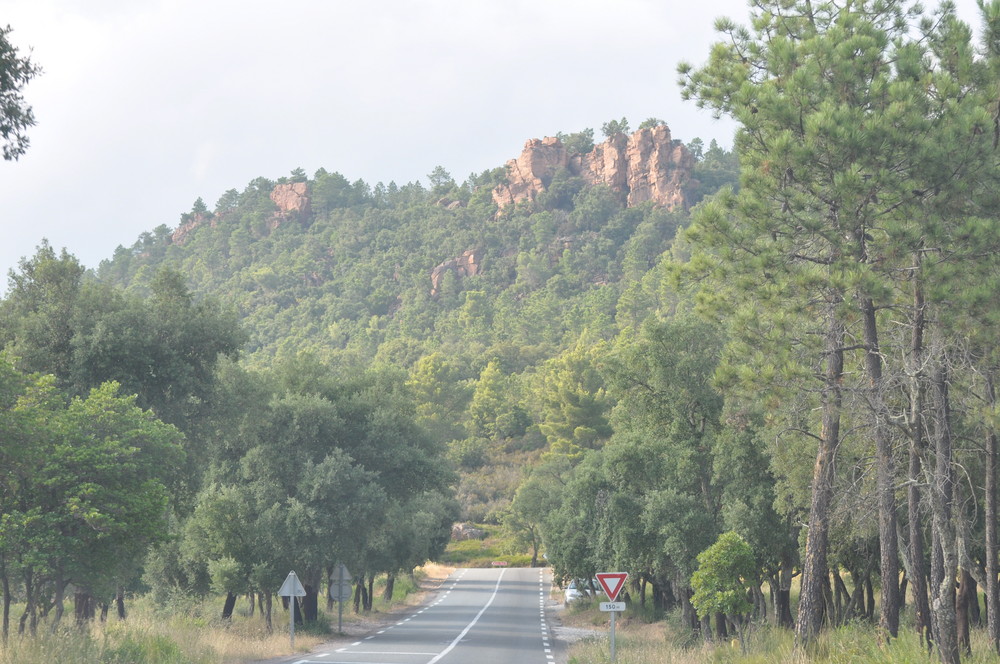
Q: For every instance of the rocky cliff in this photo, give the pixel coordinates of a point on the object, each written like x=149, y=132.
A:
x=469, y=264
x=292, y=197
x=646, y=166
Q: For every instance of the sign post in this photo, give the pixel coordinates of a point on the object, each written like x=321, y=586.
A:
x=292, y=589
x=612, y=582
x=342, y=595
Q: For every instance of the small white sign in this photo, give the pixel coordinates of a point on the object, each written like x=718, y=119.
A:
x=612, y=606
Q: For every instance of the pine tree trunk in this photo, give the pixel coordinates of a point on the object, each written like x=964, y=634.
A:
x=811, y=601
x=915, y=476
x=992, y=549
x=886, y=478
x=944, y=563
x=267, y=612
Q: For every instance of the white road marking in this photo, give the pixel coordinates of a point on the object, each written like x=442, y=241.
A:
x=472, y=624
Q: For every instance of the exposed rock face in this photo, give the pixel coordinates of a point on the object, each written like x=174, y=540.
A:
x=464, y=531
x=646, y=166
x=530, y=174
x=292, y=197
x=659, y=168
x=189, y=222
x=466, y=265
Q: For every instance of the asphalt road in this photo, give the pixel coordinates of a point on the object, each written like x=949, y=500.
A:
x=478, y=616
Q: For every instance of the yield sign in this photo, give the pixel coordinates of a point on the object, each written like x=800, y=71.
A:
x=612, y=582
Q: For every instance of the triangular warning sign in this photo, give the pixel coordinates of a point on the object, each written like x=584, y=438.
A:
x=612, y=582
x=292, y=587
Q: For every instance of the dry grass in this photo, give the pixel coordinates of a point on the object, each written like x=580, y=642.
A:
x=665, y=643
x=191, y=632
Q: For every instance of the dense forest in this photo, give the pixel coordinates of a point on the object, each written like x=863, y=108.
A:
x=776, y=402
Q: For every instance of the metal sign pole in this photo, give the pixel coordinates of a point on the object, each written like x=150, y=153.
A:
x=291, y=589
x=613, y=614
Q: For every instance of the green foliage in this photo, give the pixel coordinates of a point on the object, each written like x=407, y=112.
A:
x=716, y=168
x=16, y=116
x=580, y=142
x=726, y=571
x=572, y=402
x=93, y=486
x=613, y=128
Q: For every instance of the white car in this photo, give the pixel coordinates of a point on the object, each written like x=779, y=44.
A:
x=577, y=589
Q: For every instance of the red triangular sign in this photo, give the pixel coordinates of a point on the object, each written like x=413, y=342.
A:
x=612, y=582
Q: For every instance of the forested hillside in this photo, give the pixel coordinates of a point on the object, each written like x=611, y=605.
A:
x=332, y=352
x=762, y=382
x=495, y=314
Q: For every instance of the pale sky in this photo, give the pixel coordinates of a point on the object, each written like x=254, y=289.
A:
x=145, y=105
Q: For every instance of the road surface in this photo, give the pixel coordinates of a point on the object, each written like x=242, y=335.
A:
x=478, y=616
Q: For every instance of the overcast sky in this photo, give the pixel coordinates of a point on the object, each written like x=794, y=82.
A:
x=145, y=105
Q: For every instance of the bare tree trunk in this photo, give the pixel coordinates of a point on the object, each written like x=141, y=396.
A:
x=783, y=600
x=720, y=626
x=6, y=598
x=390, y=586
x=60, y=596
x=30, y=615
x=120, y=603
x=841, y=599
x=267, y=612
x=310, y=603
x=869, y=598
x=966, y=595
x=227, y=608
x=329, y=587
x=886, y=478
x=811, y=603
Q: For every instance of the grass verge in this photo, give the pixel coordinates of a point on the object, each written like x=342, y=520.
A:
x=639, y=642
x=190, y=631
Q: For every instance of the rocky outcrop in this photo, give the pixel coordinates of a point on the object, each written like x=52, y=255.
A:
x=659, y=168
x=465, y=531
x=646, y=166
x=466, y=265
x=292, y=197
x=189, y=222
x=530, y=174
